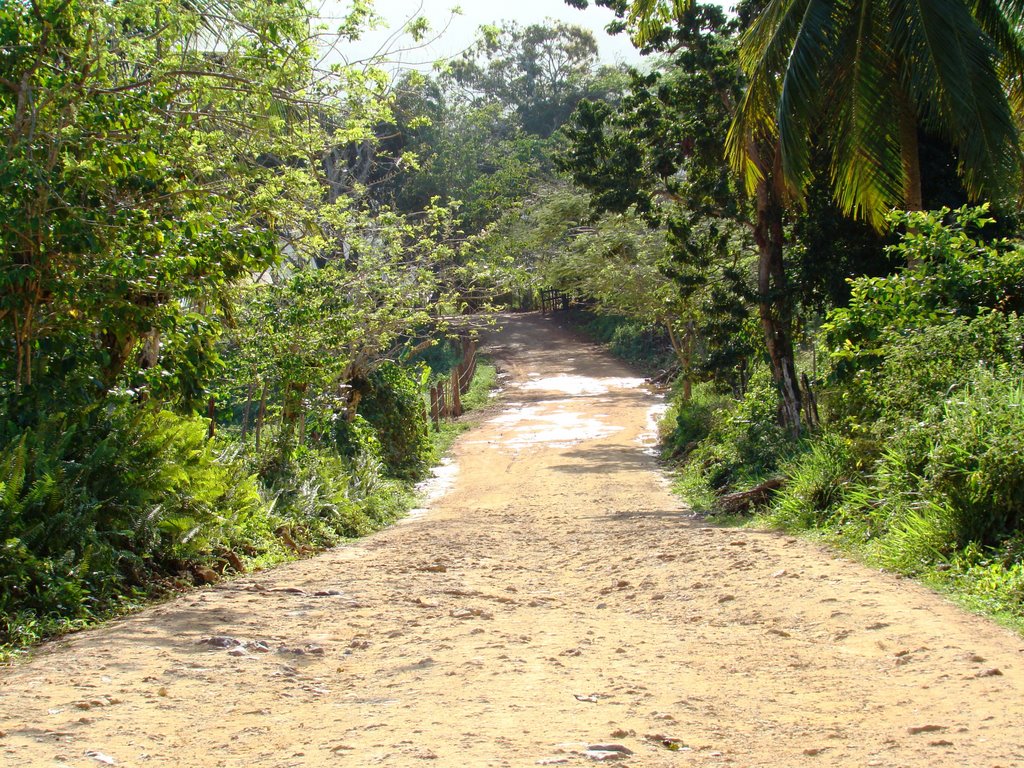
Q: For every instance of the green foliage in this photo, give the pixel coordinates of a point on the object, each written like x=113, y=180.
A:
x=634, y=341
x=539, y=72
x=920, y=468
x=667, y=239
x=664, y=139
x=322, y=498
x=133, y=176
x=863, y=80
x=744, y=445
x=186, y=219
x=357, y=437
x=904, y=340
x=485, y=380
x=442, y=356
x=963, y=460
x=986, y=585
x=99, y=514
x=688, y=422
x=816, y=483
x=478, y=396
x=90, y=513
x=393, y=404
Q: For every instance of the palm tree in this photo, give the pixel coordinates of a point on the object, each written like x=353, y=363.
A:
x=862, y=76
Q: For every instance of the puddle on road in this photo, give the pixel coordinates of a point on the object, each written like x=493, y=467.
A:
x=553, y=426
x=557, y=423
x=579, y=385
x=648, y=439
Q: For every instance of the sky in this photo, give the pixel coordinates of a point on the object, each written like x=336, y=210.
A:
x=460, y=30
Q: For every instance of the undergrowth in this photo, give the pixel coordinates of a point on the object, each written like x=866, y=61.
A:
x=478, y=396
x=918, y=466
x=135, y=504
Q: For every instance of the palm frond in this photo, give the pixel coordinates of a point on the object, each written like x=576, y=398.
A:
x=800, y=102
x=867, y=172
x=764, y=51
x=956, y=86
x=1002, y=22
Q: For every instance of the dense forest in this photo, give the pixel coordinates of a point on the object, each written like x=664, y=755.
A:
x=234, y=262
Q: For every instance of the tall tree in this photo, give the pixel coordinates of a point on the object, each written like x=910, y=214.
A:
x=151, y=154
x=540, y=71
x=701, y=40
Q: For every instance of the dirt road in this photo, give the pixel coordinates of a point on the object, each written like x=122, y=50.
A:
x=557, y=606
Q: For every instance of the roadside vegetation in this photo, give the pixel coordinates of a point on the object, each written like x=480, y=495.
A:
x=219, y=297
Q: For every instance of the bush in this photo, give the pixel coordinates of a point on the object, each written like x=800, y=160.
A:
x=964, y=463
x=922, y=369
x=357, y=437
x=442, y=356
x=688, y=422
x=949, y=483
x=393, y=405
x=904, y=339
x=323, y=498
x=744, y=446
x=91, y=512
x=816, y=482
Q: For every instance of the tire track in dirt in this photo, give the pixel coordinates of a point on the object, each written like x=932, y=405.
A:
x=558, y=599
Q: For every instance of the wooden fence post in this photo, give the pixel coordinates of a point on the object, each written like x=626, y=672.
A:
x=435, y=414
x=446, y=395
x=456, y=392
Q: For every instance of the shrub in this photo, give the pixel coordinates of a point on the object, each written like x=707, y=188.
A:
x=91, y=512
x=323, y=498
x=973, y=465
x=745, y=445
x=904, y=339
x=816, y=481
x=688, y=422
x=924, y=367
x=442, y=356
x=393, y=404
x=953, y=480
x=356, y=437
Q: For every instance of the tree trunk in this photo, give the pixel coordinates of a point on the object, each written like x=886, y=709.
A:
x=689, y=340
x=911, y=156
x=118, y=348
x=773, y=301
x=211, y=414
x=261, y=414
x=910, y=153
x=248, y=409
x=684, y=354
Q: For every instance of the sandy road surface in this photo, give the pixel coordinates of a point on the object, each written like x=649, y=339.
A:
x=556, y=601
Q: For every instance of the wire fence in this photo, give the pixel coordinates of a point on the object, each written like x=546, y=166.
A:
x=446, y=394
